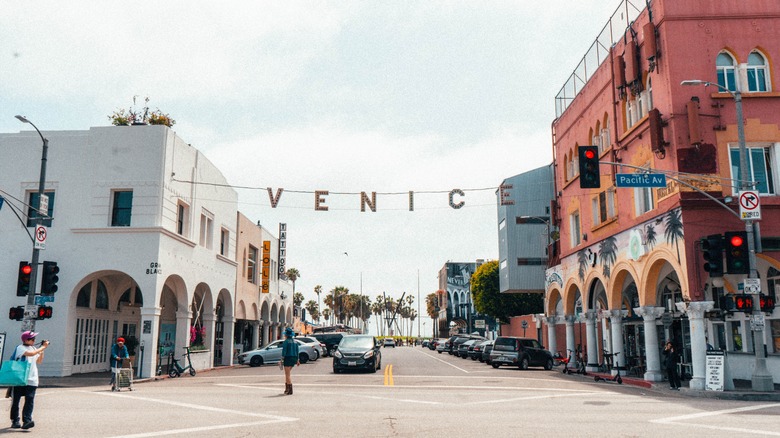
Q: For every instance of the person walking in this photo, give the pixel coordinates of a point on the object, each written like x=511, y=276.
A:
x=289, y=358
x=27, y=351
x=118, y=354
x=670, y=361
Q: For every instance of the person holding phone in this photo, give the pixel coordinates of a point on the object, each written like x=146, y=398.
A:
x=27, y=351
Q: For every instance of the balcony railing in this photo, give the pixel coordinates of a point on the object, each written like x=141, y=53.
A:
x=598, y=52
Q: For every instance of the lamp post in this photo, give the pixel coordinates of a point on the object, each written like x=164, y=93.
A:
x=29, y=323
x=761, y=379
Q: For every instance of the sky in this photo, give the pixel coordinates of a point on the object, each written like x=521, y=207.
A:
x=339, y=96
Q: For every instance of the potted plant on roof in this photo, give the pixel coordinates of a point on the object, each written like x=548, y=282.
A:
x=131, y=116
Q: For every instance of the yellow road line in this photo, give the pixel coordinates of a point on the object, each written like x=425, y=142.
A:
x=389, y=375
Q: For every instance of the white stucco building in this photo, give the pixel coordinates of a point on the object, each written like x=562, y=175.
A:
x=144, y=232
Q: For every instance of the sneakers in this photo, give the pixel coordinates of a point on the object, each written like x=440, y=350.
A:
x=28, y=425
x=16, y=425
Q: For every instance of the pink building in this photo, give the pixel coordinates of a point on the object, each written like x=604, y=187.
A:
x=631, y=271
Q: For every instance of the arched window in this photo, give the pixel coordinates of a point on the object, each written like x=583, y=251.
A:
x=648, y=94
x=757, y=72
x=82, y=300
x=101, y=299
x=726, y=71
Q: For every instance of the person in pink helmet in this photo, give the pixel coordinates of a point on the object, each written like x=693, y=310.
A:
x=30, y=353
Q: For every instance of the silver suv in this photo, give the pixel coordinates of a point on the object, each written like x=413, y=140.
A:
x=520, y=352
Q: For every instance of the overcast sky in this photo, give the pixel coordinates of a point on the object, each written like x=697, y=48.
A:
x=343, y=96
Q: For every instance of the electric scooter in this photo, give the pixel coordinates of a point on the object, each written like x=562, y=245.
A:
x=616, y=379
x=176, y=369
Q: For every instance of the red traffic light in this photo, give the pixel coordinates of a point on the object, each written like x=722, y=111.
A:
x=736, y=241
x=26, y=269
x=590, y=154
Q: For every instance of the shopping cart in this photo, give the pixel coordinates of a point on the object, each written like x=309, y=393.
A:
x=123, y=377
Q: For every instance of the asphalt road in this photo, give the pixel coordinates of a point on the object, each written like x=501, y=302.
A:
x=417, y=393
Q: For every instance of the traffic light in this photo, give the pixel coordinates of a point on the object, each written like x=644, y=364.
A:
x=44, y=312
x=737, y=255
x=23, y=282
x=767, y=303
x=16, y=313
x=743, y=303
x=589, y=167
x=712, y=247
x=50, y=278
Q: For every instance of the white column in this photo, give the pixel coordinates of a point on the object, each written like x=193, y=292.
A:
x=210, y=323
x=652, y=356
x=266, y=333
x=228, y=339
x=591, y=340
x=257, y=335
x=570, y=346
x=616, y=329
x=149, y=317
x=553, y=344
x=695, y=311
x=183, y=318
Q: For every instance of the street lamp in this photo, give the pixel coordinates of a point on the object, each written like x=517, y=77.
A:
x=29, y=323
x=761, y=379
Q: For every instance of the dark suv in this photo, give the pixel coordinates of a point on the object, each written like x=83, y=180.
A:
x=520, y=352
x=331, y=340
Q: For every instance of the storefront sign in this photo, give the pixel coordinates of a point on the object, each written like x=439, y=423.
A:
x=716, y=360
x=266, y=266
x=282, y=250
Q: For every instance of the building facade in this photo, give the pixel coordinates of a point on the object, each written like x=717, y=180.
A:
x=456, y=306
x=631, y=271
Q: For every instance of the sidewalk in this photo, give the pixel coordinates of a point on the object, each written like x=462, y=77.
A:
x=742, y=389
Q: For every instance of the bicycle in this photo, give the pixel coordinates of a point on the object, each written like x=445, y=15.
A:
x=176, y=369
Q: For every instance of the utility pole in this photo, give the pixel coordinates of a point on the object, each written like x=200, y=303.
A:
x=29, y=322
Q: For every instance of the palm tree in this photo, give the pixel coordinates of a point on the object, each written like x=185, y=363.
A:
x=293, y=275
x=313, y=309
x=376, y=309
x=298, y=299
x=674, y=230
x=430, y=305
x=318, y=291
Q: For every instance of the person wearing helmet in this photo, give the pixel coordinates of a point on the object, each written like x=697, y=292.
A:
x=34, y=355
x=289, y=358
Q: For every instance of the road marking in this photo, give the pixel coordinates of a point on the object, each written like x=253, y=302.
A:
x=442, y=361
x=389, y=375
x=679, y=420
x=509, y=400
x=269, y=419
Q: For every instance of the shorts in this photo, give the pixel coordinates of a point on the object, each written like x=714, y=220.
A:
x=290, y=361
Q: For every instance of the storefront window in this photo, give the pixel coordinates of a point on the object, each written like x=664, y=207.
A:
x=776, y=335
x=736, y=335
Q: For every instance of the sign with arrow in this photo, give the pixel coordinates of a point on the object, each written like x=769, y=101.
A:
x=749, y=205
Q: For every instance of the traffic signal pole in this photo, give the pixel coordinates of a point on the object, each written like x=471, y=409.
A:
x=29, y=323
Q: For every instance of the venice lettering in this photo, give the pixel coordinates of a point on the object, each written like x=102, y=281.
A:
x=370, y=201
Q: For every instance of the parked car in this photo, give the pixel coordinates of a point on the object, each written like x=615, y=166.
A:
x=463, y=349
x=487, y=347
x=460, y=340
x=442, y=346
x=520, y=352
x=331, y=340
x=388, y=342
x=475, y=352
x=425, y=343
x=448, y=344
x=318, y=346
x=357, y=352
x=272, y=353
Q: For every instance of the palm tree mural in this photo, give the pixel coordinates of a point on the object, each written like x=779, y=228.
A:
x=608, y=253
x=582, y=261
x=650, y=236
x=674, y=230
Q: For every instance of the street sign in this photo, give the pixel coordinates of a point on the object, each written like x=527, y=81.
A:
x=749, y=205
x=524, y=324
x=41, y=300
x=757, y=322
x=40, y=237
x=31, y=311
x=666, y=319
x=43, y=205
x=752, y=286
x=640, y=180
x=479, y=323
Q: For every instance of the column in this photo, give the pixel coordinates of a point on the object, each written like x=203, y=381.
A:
x=257, y=335
x=652, y=355
x=695, y=311
x=150, y=317
x=183, y=318
x=228, y=339
x=210, y=323
x=553, y=344
x=616, y=330
x=266, y=333
x=570, y=345
x=591, y=341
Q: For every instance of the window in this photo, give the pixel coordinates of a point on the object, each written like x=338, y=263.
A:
x=206, y=229
x=251, y=265
x=502, y=224
x=182, y=218
x=603, y=206
x=32, y=212
x=101, y=299
x=83, y=298
x=760, y=168
x=643, y=197
x=726, y=71
x=574, y=226
x=122, y=208
x=757, y=72
x=224, y=242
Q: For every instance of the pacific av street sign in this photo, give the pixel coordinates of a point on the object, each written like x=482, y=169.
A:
x=640, y=180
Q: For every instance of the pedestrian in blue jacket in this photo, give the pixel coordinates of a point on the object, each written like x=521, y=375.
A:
x=289, y=358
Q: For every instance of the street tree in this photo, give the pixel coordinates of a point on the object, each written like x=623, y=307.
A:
x=489, y=301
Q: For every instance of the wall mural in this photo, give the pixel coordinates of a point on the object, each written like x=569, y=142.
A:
x=633, y=244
